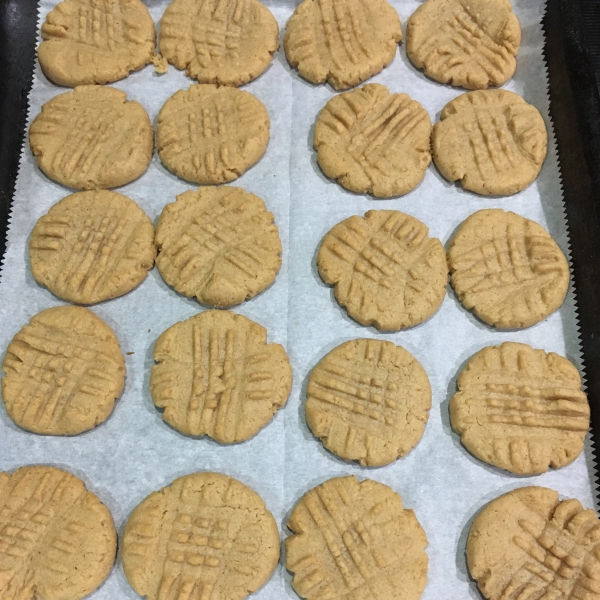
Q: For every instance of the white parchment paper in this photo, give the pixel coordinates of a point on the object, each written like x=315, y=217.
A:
x=134, y=452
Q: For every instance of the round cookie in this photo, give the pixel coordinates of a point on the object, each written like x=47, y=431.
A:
x=58, y=540
x=368, y=400
x=528, y=544
x=386, y=270
x=227, y=42
x=209, y=134
x=92, y=137
x=87, y=41
x=355, y=540
x=218, y=244
x=204, y=536
x=468, y=43
x=343, y=42
x=64, y=370
x=92, y=246
x=492, y=141
x=507, y=269
x=373, y=142
x=520, y=409
x=216, y=375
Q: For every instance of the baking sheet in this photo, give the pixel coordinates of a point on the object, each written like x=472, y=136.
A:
x=134, y=452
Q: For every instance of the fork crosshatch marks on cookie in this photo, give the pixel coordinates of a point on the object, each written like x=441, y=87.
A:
x=210, y=135
x=354, y=539
x=216, y=375
x=64, y=370
x=386, y=270
x=548, y=548
x=57, y=540
x=204, y=536
x=507, y=269
x=223, y=42
x=219, y=245
x=521, y=409
x=342, y=42
x=96, y=41
x=92, y=137
x=368, y=400
x=92, y=246
x=468, y=43
x=374, y=142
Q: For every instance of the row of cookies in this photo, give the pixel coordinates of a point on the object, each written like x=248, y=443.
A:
x=369, y=140
x=368, y=400
x=344, y=42
x=209, y=535
x=221, y=246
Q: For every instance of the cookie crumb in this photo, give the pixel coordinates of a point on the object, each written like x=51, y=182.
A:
x=161, y=66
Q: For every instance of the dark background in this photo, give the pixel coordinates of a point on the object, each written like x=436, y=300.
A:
x=573, y=54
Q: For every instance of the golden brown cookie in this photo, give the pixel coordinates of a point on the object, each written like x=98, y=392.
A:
x=520, y=409
x=342, y=42
x=373, y=142
x=386, y=270
x=218, y=244
x=63, y=372
x=204, y=536
x=96, y=41
x=228, y=42
x=216, y=375
x=58, y=540
x=355, y=540
x=368, y=400
x=92, y=137
x=492, y=141
x=528, y=544
x=209, y=134
x=507, y=269
x=469, y=43
x=92, y=246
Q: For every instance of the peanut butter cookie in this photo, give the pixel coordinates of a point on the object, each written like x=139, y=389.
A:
x=355, y=540
x=204, y=536
x=342, y=42
x=507, y=269
x=63, y=372
x=521, y=409
x=386, y=270
x=216, y=375
x=374, y=142
x=227, y=42
x=368, y=400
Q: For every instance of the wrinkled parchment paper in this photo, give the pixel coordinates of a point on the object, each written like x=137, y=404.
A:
x=134, y=452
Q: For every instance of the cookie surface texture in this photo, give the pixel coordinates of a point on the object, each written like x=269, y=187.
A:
x=343, y=42
x=63, y=372
x=204, y=536
x=468, y=43
x=386, y=270
x=216, y=375
x=368, y=400
x=92, y=137
x=527, y=541
x=227, y=43
x=211, y=134
x=520, y=409
x=492, y=141
x=58, y=540
x=220, y=245
x=96, y=41
x=92, y=246
x=355, y=540
x=507, y=269
x=373, y=142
